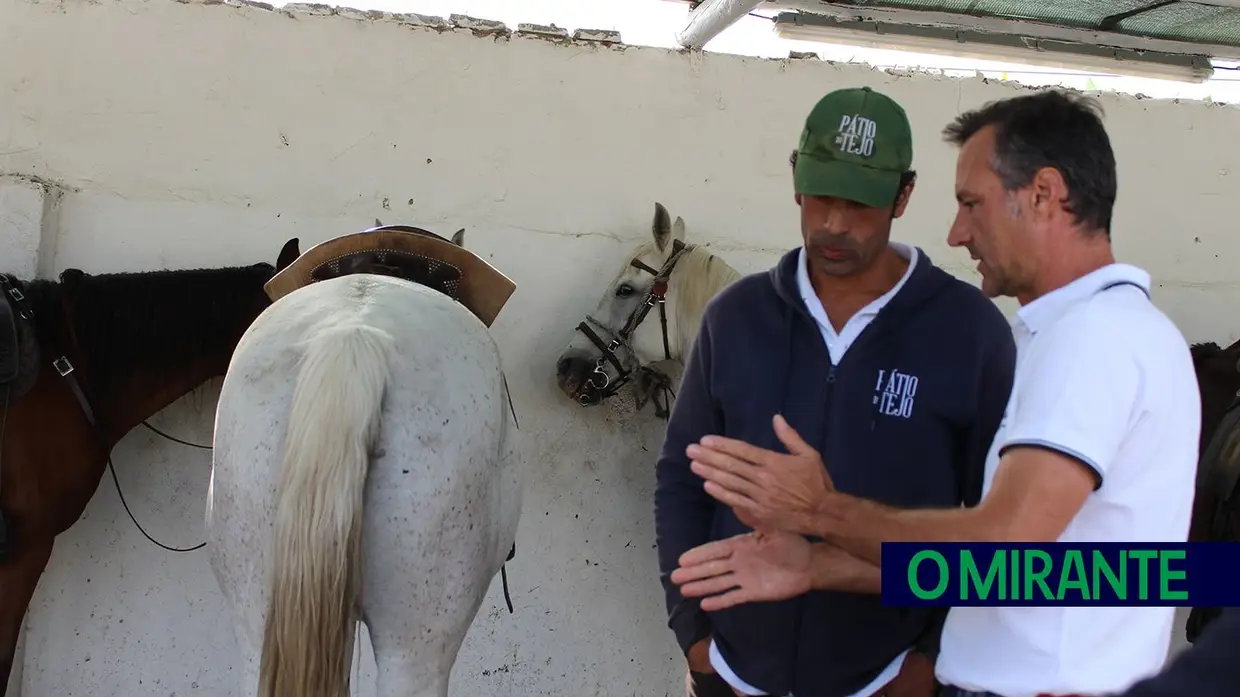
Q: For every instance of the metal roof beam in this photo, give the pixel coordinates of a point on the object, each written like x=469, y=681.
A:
x=710, y=18
x=1010, y=27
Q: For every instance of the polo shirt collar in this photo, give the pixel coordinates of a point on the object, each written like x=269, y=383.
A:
x=810, y=297
x=1044, y=310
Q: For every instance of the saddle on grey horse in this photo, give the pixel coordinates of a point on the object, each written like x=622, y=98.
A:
x=406, y=252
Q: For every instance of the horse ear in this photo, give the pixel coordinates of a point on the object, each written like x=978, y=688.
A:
x=288, y=254
x=661, y=228
x=71, y=277
x=678, y=229
x=458, y=238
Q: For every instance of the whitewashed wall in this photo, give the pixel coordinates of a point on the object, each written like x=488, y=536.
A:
x=191, y=134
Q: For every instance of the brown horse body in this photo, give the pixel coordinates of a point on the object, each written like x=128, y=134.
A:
x=137, y=342
x=1218, y=376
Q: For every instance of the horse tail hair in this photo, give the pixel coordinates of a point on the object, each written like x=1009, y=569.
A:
x=316, y=565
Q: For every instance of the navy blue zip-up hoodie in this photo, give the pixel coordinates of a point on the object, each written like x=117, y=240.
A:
x=905, y=419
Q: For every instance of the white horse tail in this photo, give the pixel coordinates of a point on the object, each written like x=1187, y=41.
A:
x=316, y=579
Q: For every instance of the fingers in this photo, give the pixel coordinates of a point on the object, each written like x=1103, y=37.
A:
x=738, y=449
x=720, y=549
x=720, y=460
x=739, y=503
x=714, y=603
x=697, y=572
x=724, y=478
x=710, y=586
x=789, y=437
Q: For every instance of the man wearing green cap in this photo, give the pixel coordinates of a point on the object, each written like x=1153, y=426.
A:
x=871, y=353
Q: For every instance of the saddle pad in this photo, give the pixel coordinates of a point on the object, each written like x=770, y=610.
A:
x=483, y=289
x=9, y=349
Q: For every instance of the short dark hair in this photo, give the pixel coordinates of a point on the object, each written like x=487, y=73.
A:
x=906, y=179
x=1052, y=128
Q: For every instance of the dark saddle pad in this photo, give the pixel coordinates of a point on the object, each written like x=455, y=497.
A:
x=435, y=274
x=432, y=273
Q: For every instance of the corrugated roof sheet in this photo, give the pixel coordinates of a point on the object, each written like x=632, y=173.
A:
x=1193, y=22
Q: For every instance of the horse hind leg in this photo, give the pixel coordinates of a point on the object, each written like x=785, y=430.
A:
x=414, y=626
x=427, y=565
x=408, y=663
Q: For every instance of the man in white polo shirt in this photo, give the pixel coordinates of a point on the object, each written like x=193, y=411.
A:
x=1098, y=442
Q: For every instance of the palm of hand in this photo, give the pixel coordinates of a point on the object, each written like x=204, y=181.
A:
x=758, y=566
x=776, y=564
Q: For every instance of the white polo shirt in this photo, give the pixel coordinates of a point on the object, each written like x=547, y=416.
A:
x=837, y=345
x=1106, y=377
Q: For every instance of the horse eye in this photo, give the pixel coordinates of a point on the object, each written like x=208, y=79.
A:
x=624, y=290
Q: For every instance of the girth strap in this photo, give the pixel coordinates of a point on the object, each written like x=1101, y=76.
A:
x=503, y=569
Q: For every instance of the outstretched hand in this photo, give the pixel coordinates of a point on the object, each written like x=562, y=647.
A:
x=767, y=490
x=754, y=567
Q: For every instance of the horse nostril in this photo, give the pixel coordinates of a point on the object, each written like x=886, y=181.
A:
x=562, y=366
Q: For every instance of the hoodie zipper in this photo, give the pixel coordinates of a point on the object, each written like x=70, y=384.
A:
x=828, y=402
x=877, y=325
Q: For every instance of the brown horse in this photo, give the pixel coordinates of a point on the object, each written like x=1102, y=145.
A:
x=82, y=362
x=1214, y=514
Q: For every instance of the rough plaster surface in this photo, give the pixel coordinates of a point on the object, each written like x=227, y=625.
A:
x=205, y=134
x=21, y=216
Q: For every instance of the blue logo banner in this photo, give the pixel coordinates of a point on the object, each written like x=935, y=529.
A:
x=1065, y=574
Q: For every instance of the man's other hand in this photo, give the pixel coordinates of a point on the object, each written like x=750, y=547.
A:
x=767, y=490
x=760, y=566
x=699, y=657
x=916, y=678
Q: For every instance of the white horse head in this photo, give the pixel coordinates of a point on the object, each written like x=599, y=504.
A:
x=649, y=314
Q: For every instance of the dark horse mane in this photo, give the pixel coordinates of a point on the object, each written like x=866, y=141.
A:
x=150, y=320
x=1217, y=358
x=1204, y=350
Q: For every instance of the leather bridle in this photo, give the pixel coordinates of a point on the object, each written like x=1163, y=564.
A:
x=599, y=385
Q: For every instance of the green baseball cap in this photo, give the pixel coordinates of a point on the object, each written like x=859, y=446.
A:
x=856, y=145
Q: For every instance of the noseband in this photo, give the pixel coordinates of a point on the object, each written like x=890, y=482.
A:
x=599, y=385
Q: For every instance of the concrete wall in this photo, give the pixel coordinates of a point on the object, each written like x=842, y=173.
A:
x=201, y=134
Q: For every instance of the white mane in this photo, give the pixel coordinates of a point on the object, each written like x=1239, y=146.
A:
x=698, y=277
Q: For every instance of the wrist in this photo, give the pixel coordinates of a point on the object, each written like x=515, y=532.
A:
x=820, y=566
x=832, y=516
